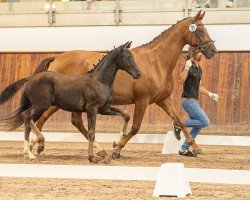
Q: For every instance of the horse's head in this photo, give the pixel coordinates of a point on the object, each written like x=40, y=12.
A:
x=197, y=36
x=126, y=61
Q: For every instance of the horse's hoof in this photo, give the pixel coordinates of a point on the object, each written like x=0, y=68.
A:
x=114, y=144
x=197, y=151
x=107, y=160
x=96, y=160
x=102, y=154
x=40, y=149
x=116, y=155
x=32, y=158
x=29, y=156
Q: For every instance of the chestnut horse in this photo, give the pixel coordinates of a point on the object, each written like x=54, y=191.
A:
x=90, y=93
x=156, y=60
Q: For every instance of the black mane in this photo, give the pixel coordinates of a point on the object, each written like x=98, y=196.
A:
x=100, y=61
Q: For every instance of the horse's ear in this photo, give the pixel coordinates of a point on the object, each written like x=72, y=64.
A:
x=126, y=46
x=199, y=16
x=202, y=15
x=129, y=44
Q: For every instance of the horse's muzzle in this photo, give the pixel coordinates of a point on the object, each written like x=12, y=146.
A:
x=210, y=50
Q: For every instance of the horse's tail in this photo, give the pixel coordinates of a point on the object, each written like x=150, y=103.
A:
x=15, y=120
x=44, y=65
x=11, y=90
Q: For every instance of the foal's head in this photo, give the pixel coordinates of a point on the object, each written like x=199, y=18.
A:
x=197, y=36
x=125, y=61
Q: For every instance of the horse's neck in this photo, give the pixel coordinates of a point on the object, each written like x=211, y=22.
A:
x=168, y=47
x=106, y=73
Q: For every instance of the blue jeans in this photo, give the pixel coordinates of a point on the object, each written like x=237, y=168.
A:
x=198, y=119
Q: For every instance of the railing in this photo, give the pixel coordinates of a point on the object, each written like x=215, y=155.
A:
x=118, y=12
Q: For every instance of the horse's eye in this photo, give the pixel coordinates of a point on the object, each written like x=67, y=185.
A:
x=201, y=29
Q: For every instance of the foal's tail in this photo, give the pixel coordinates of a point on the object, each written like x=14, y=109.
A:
x=44, y=65
x=10, y=91
x=15, y=120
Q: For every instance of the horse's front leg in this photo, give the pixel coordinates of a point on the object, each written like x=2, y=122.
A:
x=117, y=111
x=76, y=120
x=140, y=108
x=168, y=106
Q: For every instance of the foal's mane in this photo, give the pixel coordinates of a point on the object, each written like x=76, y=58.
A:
x=167, y=31
x=99, y=61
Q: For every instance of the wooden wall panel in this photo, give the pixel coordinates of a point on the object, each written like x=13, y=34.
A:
x=227, y=74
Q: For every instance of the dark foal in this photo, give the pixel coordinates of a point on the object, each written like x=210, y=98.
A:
x=90, y=93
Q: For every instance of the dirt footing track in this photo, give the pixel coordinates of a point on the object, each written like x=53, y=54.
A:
x=216, y=157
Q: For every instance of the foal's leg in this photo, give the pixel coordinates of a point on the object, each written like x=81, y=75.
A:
x=34, y=114
x=168, y=106
x=40, y=122
x=26, y=149
x=76, y=120
x=117, y=111
x=140, y=108
x=91, y=115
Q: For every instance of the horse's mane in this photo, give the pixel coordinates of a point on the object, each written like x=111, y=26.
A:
x=165, y=32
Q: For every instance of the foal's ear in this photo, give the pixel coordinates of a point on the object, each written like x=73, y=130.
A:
x=127, y=45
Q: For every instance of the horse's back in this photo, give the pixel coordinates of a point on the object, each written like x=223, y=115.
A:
x=75, y=62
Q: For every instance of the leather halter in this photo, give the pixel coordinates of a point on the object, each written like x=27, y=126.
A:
x=200, y=44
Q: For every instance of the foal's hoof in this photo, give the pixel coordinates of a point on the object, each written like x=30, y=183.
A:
x=102, y=154
x=114, y=144
x=29, y=156
x=40, y=149
x=97, y=160
x=116, y=155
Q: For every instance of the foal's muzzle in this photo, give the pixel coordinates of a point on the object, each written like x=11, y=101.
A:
x=136, y=75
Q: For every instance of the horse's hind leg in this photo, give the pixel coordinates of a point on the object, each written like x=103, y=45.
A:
x=40, y=122
x=76, y=120
x=168, y=106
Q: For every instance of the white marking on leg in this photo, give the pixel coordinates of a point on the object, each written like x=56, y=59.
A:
x=33, y=141
x=26, y=151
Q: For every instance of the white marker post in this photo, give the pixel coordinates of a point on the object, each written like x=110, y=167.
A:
x=171, y=181
x=171, y=144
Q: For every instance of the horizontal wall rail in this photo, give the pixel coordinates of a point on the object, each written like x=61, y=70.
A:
x=113, y=13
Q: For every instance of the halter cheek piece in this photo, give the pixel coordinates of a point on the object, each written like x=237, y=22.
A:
x=200, y=44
